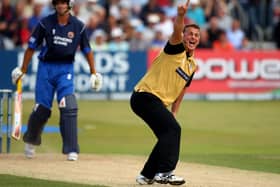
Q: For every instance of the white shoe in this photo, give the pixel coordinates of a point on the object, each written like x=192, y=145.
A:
x=142, y=180
x=72, y=156
x=172, y=179
x=29, y=150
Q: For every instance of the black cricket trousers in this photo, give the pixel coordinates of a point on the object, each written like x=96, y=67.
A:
x=165, y=153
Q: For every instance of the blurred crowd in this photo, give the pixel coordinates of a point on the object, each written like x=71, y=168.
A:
x=141, y=24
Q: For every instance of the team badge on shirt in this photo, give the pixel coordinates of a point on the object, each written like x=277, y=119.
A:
x=32, y=39
x=70, y=35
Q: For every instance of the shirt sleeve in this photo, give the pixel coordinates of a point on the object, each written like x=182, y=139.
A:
x=37, y=36
x=190, y=81
x=174, y=49
x=84, y=43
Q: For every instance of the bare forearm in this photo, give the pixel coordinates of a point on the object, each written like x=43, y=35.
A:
x=26, y=59
x=90, y=60
x=179, y=24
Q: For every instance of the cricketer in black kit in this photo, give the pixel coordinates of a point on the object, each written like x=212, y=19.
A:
x=164, y=85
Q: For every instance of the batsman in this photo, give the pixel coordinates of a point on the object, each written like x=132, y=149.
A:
x=58, y=35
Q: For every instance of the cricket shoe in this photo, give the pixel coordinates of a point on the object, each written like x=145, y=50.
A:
x=29, y=150
x=164, y=178
x=72, y=156
x=142, y=180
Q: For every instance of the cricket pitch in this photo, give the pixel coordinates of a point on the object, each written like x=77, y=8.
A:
x=121, y=170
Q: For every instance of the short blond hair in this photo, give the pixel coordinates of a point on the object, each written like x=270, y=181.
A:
x=191, y=25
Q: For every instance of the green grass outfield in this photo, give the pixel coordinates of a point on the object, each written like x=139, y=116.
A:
x=15, y=181
x=238, y=134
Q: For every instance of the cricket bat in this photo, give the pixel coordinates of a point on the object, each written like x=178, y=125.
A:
x=17, y=122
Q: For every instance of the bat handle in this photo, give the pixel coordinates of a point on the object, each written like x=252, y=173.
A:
x=19, y=85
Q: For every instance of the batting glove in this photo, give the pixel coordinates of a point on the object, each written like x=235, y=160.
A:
x=96, y=81
x=16, y=75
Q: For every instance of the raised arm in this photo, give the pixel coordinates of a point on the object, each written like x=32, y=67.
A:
x=179, y=24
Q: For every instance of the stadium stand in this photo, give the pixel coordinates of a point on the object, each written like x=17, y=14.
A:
x=257, y=20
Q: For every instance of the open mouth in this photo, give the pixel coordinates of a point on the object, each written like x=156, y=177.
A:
x=192, y=44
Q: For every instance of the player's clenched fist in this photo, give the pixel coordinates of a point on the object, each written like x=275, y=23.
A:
x=182, y=9
x=96, y=81
x=16, y=75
